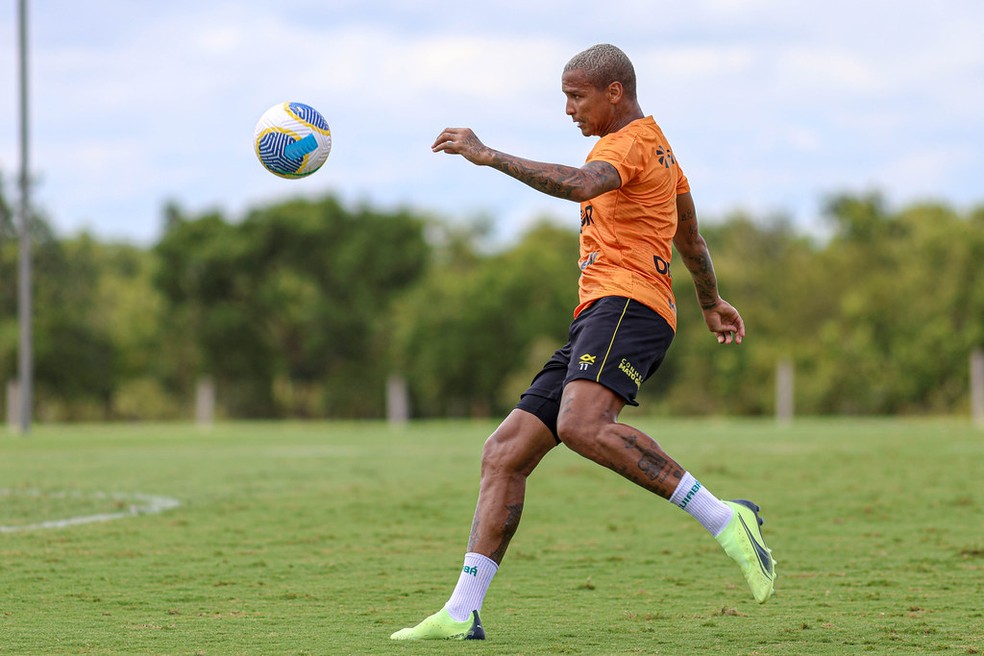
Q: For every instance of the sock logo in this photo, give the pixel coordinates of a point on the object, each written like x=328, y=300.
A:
x=470, y=570
x=690, y=495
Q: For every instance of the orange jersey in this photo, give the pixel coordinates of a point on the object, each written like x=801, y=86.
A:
x=627, y=234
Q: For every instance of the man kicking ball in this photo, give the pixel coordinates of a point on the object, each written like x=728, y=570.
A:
x=635, y=206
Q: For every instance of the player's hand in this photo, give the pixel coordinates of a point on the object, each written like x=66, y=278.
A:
x=462, y=141
x=724, y=321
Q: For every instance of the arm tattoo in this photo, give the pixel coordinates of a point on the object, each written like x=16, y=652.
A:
x=559, y=180
x=688, y=216
x=697, y=259
x=702, y=271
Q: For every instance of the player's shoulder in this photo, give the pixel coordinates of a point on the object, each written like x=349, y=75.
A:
x=650, y=129
x=644, y=134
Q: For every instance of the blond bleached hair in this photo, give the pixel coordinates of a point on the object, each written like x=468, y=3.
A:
x=604, y=64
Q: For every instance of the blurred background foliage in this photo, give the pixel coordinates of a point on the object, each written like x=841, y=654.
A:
x=306, y=308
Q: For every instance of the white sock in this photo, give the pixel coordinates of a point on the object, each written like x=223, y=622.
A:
x=473, y=583
x=703, y=506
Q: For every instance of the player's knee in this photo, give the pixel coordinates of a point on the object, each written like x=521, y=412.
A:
x=494, y=454
x=502, y=454
x=516, y=447
x=577, y=433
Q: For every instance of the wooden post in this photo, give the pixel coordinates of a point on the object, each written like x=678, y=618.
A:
x=13, y=406
x=784, y=392
x=205, y=401
x=977, y=386
x=397, y=401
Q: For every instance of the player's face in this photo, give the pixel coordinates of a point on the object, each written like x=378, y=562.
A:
x=590, y=107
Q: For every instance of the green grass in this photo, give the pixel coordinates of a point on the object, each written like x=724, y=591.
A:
x=324, y=538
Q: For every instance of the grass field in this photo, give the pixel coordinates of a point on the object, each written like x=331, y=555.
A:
x=324, y=538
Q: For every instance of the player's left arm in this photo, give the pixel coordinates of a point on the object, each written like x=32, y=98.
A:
x=721, y=317
x=567, y=182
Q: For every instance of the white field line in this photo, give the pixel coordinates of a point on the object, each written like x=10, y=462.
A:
x=139, y=504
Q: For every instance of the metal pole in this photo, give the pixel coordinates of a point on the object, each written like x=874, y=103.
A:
x=25, y=361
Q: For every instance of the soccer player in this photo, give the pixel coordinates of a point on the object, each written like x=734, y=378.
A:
x=635, y=205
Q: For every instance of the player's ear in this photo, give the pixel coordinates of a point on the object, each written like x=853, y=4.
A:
x=615, y=92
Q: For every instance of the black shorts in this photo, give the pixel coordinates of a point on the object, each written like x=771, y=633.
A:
x=616, y=342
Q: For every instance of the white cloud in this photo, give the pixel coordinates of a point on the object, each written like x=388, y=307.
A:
x=770, y=104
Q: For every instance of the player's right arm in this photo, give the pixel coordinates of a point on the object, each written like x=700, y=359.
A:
x=721, y=317
x=559, y=180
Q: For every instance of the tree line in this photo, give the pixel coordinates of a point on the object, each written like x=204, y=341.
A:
x=305, y=308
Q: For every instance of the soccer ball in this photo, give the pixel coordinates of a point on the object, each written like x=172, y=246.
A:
x=292, y=140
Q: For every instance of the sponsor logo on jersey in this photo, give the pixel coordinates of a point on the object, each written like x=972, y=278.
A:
x=588, y=261
x=586, y=217
x=665, y=157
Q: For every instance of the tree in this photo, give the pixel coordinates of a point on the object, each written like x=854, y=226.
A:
x=470, y=337
x=304, y=308
x=74, y=359
x=285, y=309
x=909, y=312
x=762, y=266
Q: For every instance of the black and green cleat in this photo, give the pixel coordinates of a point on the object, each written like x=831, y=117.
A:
x=441, y=626
x=742, y=540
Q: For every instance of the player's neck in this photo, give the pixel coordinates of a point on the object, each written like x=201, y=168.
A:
x=630, y=113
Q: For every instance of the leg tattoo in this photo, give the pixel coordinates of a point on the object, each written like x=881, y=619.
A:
x=657, y=467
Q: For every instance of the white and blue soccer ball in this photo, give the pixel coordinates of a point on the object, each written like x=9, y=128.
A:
x=292, y=140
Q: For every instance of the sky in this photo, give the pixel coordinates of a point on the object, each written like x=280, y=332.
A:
x=771, y=106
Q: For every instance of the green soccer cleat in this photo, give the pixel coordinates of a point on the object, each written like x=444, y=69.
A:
x=440, y=626
x=742, y=540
